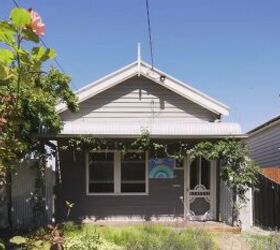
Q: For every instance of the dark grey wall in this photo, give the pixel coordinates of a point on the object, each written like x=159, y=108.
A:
x=264, y=146
x=163, y=198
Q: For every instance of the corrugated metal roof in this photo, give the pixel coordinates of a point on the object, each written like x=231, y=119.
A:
x=156, y=128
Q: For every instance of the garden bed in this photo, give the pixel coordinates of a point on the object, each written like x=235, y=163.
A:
x=85, y=237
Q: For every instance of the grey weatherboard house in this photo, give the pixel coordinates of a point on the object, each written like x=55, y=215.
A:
x=106, y=185
x=264, y=144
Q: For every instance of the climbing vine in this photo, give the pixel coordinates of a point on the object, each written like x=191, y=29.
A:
x=237, y=170
x=29, y=91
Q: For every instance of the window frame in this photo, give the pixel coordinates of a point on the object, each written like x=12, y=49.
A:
x=117, y=175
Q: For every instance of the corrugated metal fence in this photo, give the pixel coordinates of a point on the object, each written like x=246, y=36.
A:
x=267, y=204
x=22, y=190
x=225, y=203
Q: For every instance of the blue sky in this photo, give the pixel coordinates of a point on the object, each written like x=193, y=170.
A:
x=228, y=49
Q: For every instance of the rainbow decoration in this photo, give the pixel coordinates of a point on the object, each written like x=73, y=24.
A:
x=161, y=168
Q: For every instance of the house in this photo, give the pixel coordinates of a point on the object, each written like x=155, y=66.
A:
x=109, y=185
x=264, y=144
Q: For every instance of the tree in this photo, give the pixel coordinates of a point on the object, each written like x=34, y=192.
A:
x=29, y=90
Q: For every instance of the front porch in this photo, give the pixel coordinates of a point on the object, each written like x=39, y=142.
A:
x=108, y=185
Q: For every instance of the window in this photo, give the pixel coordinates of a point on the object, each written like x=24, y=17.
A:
x=133, y=173
x=116, y=173
x=101, y=172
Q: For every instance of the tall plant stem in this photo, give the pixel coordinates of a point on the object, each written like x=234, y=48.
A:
x=19, y=66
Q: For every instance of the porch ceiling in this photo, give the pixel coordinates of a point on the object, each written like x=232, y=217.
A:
x=161, y=129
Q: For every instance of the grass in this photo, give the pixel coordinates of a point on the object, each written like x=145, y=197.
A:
x=269, y=241
x=93, y=237
x=142, y=237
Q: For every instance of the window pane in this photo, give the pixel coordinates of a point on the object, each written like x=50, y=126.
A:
x=101, y=188
x=194, y=175
x=205, y=173
x=101, y=172
x=133, y=188
x=133, y=170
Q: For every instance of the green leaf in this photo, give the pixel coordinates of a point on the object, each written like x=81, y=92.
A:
x=20, y=17
x=51, y=53
x=38, y=53
x=29, y=35
x=18, y=240
x=4, y=72
x=7, y=27
x=24, y=56
x=7, y=38
x=6, y=56
x=42, y=54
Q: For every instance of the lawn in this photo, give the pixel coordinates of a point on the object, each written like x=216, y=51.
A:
x=267, y=241
x=152, y=237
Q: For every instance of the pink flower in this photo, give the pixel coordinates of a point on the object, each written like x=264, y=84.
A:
x=37, y=25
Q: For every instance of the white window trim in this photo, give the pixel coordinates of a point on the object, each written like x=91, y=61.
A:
x=117, y=175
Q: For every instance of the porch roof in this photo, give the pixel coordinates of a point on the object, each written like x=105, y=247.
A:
x=166, y=129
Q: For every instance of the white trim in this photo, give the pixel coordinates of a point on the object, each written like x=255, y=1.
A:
x=186, y=184
x=117, y=175
x=117, y=194
x=171, y=83
x=213, y=187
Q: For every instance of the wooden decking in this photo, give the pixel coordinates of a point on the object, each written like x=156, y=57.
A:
x=211, y=226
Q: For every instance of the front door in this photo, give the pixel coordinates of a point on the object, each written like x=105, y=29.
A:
x=200, y=189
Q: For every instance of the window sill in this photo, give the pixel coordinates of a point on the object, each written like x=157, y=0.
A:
x=117, y=194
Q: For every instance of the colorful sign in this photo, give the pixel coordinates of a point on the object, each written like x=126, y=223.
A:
x=161, y=168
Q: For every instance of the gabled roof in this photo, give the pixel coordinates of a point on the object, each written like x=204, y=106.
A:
x=268, y=124
x=141, y=68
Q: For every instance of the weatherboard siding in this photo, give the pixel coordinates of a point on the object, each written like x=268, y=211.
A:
x=163, y=199
x=265, y=146
x=139, y=99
